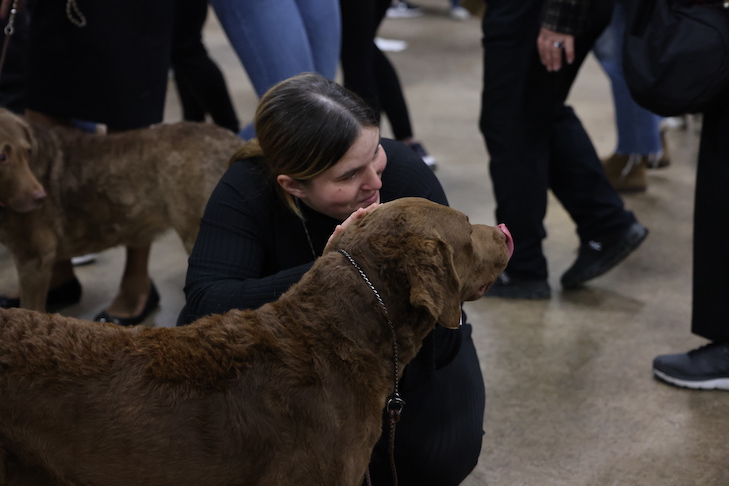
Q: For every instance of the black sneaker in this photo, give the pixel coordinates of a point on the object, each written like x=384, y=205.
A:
x=705, y=368
x=597, y=257
x=511, y=288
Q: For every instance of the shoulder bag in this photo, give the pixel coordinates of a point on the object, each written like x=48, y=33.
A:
x=676, y=54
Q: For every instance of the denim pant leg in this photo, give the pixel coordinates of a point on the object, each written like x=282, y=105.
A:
x=638, y=129
x=323, y=24
x=277, y=39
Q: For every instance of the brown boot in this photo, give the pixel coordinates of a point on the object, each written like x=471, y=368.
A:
x=662, y=159
x=627, y=172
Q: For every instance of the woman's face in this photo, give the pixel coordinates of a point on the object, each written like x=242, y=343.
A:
x=353, y=182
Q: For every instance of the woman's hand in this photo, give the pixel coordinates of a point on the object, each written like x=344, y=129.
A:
x=352, y=218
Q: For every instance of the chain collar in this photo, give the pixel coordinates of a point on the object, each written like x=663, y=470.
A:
x=395, y=403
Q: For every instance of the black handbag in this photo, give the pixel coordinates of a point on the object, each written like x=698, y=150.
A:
x=676, y=55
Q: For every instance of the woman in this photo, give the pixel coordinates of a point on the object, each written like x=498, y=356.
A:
x=318, y=158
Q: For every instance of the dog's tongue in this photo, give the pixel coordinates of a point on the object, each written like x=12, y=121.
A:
x=509, y=239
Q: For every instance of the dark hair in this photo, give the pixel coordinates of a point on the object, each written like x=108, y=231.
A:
x=305, y=125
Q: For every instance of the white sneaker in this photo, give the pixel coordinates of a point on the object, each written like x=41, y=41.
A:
x=403, y=10
x=390, y=45
x=460, y=13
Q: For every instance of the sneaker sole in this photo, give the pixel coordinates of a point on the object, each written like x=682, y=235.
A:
x=621, y=253
x=83, y=259
x=715, y=384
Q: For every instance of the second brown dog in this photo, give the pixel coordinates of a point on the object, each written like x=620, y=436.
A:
x=65, y=193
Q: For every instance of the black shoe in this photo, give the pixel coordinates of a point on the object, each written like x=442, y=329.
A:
x=512, y=288
x=704, y=368
x=149, y=307
x=64, y=295
x=597, y=257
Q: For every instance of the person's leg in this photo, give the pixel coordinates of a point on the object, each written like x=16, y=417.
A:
x=359, y=25
x=391, y=97
x=200, y=83
x=578, y=180
x=639, y=140
x=711, y=230
x=323, y=25
x=608, y=233
x=638, y=130
x=192, y=106
x=269, y=38
x=516, y=132
x=708, y=366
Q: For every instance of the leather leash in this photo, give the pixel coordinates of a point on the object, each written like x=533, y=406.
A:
x=395, y=403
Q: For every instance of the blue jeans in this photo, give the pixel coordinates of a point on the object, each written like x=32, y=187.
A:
x=638, y=129
x=277, y=39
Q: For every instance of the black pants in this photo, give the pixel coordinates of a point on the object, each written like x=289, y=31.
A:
x=710, y=311
x=366, y=70
x=438, y=439
x=200, y=83
x=113, y=71
x=535, y=141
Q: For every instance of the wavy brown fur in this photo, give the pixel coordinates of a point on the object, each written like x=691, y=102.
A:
x=103, y=190
x=291, y=393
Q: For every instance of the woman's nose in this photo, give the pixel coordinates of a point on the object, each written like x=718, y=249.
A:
x=373, y=180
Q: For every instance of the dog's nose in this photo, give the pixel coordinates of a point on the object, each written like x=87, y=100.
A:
x=39, y=194
x=508, y=239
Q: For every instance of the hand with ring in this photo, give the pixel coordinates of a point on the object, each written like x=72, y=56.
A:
x=552, y=46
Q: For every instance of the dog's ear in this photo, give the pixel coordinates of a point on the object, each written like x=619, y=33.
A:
x=434, y=284
x=23, y=125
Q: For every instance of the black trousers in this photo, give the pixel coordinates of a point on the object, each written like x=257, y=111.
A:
x=200, y=82
x=536, y=142
x=366, y=70
x=710, y=310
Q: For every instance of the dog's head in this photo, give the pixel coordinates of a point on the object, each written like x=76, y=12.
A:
x=20, y=190
x=445, y=259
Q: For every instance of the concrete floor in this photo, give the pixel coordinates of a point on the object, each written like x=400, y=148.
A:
x=570, y=395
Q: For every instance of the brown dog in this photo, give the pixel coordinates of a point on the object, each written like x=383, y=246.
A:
x=291, y=393
x=65, y=193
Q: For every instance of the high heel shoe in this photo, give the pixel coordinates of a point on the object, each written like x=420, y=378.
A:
x=149, y=307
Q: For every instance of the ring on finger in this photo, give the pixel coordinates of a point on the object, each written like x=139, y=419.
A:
x=558, y=44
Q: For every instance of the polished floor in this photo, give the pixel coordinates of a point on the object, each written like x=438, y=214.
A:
x=570, y=396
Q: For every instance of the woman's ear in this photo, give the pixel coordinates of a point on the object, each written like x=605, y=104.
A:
x=290, y=185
